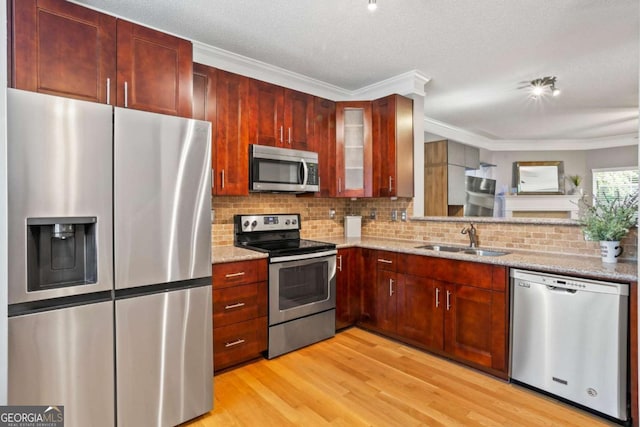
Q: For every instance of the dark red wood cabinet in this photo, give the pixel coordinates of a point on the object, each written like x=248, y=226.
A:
x=280, y=117
x=455, y=308
x=347, y=288
x=354, y=167
x=64, y=49
x=392, y=140
x=154, y=70
x=231, y=138
x=239, y=312
x=324, y=142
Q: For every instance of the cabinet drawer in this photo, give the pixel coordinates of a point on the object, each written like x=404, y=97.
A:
x=386, y=260
x=235, y=273
x=238, y=342
x=235, y=304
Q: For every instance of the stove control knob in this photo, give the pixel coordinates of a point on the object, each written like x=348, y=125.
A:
x=246, y=224
x=294, y=222
x=287, y=222
x=254, y=223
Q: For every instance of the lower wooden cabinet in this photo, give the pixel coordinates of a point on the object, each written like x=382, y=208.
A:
x=239, y=342
x=454, y=308
x=347, y=288
x=419, y=309
x=239, y=312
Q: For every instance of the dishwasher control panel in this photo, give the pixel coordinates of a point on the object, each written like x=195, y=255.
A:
x=526, y=279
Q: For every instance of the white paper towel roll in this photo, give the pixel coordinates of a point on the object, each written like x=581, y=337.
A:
x=352, y=226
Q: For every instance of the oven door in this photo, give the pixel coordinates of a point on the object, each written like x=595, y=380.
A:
x=301, y=285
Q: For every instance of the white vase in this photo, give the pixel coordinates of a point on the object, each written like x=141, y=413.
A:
x=610, y=251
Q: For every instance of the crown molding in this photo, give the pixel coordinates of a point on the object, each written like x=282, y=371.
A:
x=409, y=83
x=448, y=131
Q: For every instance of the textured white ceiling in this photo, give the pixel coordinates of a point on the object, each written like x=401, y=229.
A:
x=477, y=54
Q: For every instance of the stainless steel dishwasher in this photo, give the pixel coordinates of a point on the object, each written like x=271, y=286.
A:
x=569, y=338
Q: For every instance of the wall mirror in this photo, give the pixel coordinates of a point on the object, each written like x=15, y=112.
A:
x=540, y=177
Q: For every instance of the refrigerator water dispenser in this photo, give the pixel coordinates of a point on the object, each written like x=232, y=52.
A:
x=61, y=252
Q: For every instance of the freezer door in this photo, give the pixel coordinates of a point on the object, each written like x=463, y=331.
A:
x=162, y=200
x=65, y=357
x=59, y=166
x=164, y=357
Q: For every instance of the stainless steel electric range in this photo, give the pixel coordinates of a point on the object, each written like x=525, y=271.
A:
x=302, y=280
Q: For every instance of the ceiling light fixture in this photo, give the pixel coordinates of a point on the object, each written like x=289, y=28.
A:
x=540, y=86
x=372, y=5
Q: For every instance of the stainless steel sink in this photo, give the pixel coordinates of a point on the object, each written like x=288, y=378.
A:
x=484, y=252
x=442, y=248
x=466, y=250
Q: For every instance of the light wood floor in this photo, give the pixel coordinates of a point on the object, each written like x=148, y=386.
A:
x=361, y=379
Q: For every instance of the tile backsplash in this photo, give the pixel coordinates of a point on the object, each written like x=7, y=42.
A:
x=316, y=223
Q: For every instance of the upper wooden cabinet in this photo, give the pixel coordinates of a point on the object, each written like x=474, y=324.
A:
x=64, y=49
x=222, y=98
x=353, y=149
x=231, y=170
x=154, y=71
x=204, y=108
x=280, y=117
x=392, y=122
x=324, y=142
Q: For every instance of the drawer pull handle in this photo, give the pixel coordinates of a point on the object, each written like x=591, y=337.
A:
x=230, y=275
x=237, y=305
x=386, y=261
x=234, y=343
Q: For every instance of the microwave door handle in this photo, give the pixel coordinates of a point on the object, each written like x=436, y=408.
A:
x=305, y=173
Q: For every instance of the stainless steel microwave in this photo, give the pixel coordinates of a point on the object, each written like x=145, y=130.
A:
x=274, y=169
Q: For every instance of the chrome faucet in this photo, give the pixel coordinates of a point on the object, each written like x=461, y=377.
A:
x=473, y=236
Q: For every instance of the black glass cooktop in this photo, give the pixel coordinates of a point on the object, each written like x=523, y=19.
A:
x=290, y=247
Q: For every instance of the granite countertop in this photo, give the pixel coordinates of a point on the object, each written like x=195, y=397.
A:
x=540, y=261
x=221, y=254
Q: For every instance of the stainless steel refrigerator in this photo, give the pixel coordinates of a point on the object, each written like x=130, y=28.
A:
x=109, y=262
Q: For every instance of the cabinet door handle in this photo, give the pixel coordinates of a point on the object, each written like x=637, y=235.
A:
x=339, y=262
x=232, y=306
x=289, y=138
x=448, y=300
x=126, y=95
x=339, y=185
x=281, y=133
x=222, y=174
x=230, y=275
x=437, y=297
x=236, y=342
x=213, y=178
x=108, y=91
x=390, y=184
x=385, y=261
x=390, y=287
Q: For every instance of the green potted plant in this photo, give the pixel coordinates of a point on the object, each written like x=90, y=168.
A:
x=575, y=181
x=608, y=221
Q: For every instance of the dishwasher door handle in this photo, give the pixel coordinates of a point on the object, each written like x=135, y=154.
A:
x=561, y=290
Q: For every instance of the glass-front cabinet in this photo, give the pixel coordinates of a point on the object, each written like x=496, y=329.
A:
x=354, y=154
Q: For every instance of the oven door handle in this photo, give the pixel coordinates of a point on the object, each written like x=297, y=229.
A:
x=303, y=256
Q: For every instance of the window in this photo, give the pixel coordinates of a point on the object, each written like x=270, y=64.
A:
x=610, y=183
